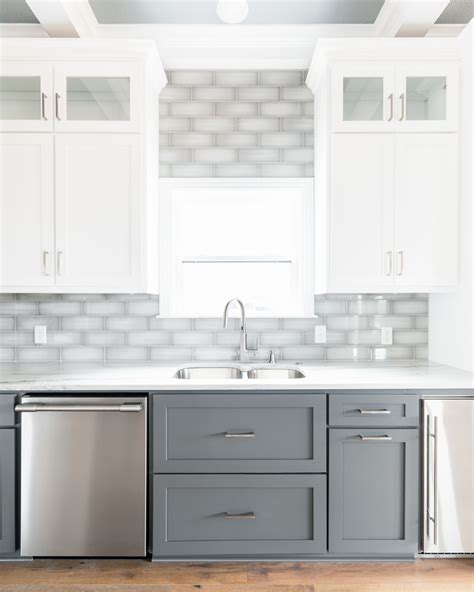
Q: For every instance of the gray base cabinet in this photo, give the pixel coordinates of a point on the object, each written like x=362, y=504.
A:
x=239, y=515
x=373, y=491
x=7, y=491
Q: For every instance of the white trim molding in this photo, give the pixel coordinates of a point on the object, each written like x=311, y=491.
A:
x=65, y=18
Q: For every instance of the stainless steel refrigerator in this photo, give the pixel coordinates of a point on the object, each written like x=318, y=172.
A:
x=448, y=525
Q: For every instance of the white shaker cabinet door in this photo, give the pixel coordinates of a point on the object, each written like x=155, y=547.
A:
x=361, y=212
x=426, y=197
x=99, y=204
x=26, y=211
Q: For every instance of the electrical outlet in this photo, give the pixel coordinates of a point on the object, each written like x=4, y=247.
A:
x=320, y=334
x=41, y=337
x=386, y=335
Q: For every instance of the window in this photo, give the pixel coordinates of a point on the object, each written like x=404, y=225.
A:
x=227, y=238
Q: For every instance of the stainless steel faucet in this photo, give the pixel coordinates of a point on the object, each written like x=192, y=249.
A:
x=243, y=326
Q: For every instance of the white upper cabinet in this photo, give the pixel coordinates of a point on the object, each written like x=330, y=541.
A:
x=26, y=97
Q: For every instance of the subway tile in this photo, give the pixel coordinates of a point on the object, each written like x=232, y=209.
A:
x=218, y=354
x=308, y=109
x=308, y=170
x=214, y=93
x=228, y=338
x=175, y=155
x=297, y=93
x=309, y=139
x=38, y=353
x=369, y=307
x=63, y=338
x=392, y=353
x=165, y=170
x=259, y=155
x=7, y=354
x=32, y=296
x=236, y=78
x=410, y=337
x=262, y=324
x=61, y=308
x=164, y=140
x=7, y=323
x=237, y=170
x=82, y=354
x=191, y=77
x=126, y=354
x=171, y=354
x=169, y=324
x=76, y=297
x=281, y=170
x=396, y=322
x=420, y=352
x=125, y=323
x=175, y=124
x=16, y=338
x=367, y=337
x=164, y=109
x=417, y=307
x=303, y=353
x=305, y=155
x=299, y=324
x=281, y=338
x=258, y=124
x=236, y=109
x=82, y=323
x=281, y=140
x=129, y=297
x=214, y=155
x=421, y=322
x=191, y=109
x=258, y=93
x=105, y=308
x=236, y=140
x=149, y=308
x=189, y=338
x=281, y=78
x=348, y=353
x=332, y=337
x=192, y=170
x=13, y=307
x=214, y=324
x=191, y=140
x=148, y=338
x=297, y=124
x=346, y=323
x=214, y=124
x=280, y=109
x=104, y=338
x=175, y=93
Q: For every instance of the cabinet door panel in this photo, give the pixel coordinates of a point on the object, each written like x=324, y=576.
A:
x=7, y=491
x=26, y=211
x=426, y=210
x=373, y=491
x=361, y=212
x=98, y=211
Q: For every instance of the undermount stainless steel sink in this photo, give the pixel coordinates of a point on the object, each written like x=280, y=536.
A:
x=275, y=373
x=210, y=372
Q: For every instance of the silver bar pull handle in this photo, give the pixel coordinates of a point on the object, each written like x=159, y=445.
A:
x=239, y=434
x=402, y=107
x=374, y=411
x=43, y=106
x=388, y=263
x=434, y=518
x=428, y=476
x=45, y=407
x=390, y=100
x=56, y=105
x=45, y=262
x=245, y=516
x=59, y=264
x=400, y=263
x=384, y=438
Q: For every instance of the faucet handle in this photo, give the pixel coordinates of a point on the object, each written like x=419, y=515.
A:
x=272, y=359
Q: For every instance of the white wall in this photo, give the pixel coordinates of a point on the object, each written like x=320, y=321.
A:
x=451, y=320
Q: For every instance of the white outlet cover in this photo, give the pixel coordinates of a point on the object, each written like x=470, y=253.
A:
x=41, y=336
x=320, y=334
x=386, y=335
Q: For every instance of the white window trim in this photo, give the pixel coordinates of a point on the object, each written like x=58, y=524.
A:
x=167, y=273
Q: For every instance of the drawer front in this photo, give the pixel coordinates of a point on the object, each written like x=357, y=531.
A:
x=239, y=433
x=202, y=515
x=374, y=410
x=7, y=410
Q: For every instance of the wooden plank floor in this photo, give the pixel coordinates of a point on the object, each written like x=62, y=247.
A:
x=428, y=575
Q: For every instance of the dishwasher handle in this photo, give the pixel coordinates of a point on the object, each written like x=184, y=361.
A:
x=38, y=407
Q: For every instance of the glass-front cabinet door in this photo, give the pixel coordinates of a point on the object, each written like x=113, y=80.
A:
x=25, y=97
x=89, y=97
x=363, y=98
x=427, y=97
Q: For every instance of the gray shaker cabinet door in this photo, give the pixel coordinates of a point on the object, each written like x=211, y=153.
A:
x=238, y=515
x=7, y=491
x=243, y=433
x=373, y=491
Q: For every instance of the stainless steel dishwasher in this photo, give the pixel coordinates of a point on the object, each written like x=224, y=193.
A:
x=83, y=476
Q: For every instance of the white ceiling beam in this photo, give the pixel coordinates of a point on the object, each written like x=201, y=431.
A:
x=407, y=18
x=22, y=30
x=65, y=18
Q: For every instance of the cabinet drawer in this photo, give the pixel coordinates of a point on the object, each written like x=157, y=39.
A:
x=7, y=410
x=236, y=433
x=367, y=410
x=201, y=515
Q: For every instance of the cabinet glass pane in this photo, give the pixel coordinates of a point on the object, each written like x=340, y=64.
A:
x=426, y=98
x=20, y=97
x=363, y=99
x=98, y=99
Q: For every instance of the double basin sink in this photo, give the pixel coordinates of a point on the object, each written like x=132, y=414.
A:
x=238, y=373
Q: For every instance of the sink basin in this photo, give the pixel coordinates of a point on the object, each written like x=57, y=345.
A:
x=275, y=373
x=209, y=372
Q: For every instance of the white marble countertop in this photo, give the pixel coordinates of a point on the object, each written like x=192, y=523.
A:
x=154, y=377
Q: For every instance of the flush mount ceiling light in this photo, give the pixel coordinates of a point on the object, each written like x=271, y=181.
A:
x=232, y=12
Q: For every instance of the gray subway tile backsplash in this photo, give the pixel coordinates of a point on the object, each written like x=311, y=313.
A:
x=126, y=328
